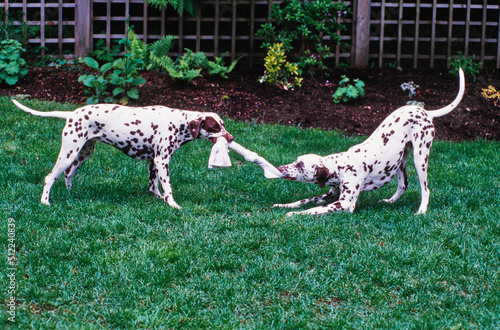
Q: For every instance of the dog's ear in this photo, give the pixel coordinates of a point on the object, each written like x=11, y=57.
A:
x=211, y=125
x=322, y=174
x=194, y=127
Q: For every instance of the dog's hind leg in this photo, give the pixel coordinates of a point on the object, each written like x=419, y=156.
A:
x=421, y=158
x=402, y=179
x=83, y=156
x=66, y=157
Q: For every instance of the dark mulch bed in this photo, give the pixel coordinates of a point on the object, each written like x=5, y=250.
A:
x=243, y=98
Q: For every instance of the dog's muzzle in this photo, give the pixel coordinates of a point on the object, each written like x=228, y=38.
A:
x=283, y=170
x=229, y=138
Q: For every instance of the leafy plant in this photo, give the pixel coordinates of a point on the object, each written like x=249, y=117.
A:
x=470, y=66
x=347, y=92
x=97, y=84
x=190, y=65
x=278, y=71
x=491, y=93
x=126, y=77
x=301, y=26
x=12, y=65
x=103, y=53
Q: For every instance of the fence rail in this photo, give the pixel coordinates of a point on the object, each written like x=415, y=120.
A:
x=407, y=33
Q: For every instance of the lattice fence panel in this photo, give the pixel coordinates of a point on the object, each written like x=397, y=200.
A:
x=53, y=22
x=407, y=33
x=426, y=33
x=225, y=26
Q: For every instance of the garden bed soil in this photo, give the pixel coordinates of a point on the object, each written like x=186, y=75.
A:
x=243, y=98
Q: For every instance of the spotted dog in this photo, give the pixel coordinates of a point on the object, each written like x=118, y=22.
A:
x=152, y=133
x=373, y=163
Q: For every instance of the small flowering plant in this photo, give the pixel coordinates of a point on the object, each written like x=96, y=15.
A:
x=278, y=71
x=491, y=93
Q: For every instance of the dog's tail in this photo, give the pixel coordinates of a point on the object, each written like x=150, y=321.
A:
x=447, y=109
x=55, y=114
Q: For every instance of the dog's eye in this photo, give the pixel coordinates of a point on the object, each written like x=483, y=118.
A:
x=300, y=164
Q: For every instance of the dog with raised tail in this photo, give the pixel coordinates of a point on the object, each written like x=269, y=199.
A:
x=151, y=133
x=373, y=163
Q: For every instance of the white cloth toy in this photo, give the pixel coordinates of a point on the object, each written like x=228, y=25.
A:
x=270, y=172
x=219, y=157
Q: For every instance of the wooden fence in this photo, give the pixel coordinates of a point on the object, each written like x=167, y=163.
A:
x=407, y=33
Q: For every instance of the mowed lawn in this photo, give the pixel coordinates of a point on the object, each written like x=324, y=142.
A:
x=110, y=254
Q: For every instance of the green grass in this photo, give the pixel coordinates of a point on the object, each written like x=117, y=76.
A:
x=110, y=254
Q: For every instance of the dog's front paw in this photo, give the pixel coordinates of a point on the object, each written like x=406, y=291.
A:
x=174, y=205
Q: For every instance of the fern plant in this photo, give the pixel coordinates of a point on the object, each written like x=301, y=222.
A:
x=179, y=5
x=188, y=66
x=218, y=67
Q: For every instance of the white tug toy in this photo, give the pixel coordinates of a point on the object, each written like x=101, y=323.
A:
x=219, y=157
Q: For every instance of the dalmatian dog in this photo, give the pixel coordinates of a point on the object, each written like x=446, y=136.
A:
x=373, y=163
x=152, y=133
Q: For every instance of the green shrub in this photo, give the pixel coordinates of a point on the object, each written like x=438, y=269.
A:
x=125, y=77
x=469, y=64
x=103, y=54
x=301, y=26
x=279, y=72
x=347, y=92
x=97, y=85
x=12, y=65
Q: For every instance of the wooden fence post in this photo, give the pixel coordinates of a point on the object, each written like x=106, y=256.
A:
x=361, y=26
x=83, y=19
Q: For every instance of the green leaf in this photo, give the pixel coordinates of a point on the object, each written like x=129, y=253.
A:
x=11, y=80
x=133, y=93
x=93, y=100
x=352, y=92
x=344, y=80
x=116, y=80
x=12, y=69
x=105, y=67
x=138, y=81
x=82, y=78
x=91, y=62
x=118, y=90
